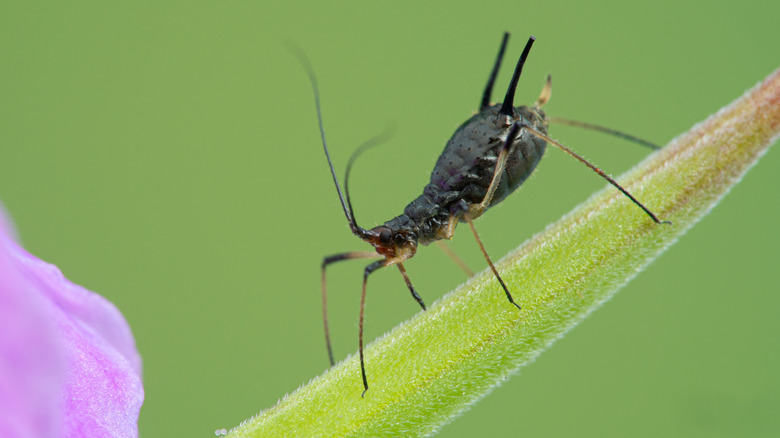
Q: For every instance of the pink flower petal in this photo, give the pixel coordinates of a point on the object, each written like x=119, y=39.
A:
x=68, y=362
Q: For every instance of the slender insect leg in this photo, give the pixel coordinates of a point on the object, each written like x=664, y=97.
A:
x=503, y=156
x=458, y=261
x=605, y=130
x=325, y=262
x=476, y=210
x=496, y=66
x=369, y=269
x=599, y=171
x=490, y=262
x=409, y=285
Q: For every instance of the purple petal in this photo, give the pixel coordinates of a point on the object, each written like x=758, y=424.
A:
x=68, y=362
x=32, y=361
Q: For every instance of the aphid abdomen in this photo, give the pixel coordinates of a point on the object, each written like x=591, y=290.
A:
x=465, y=169
x=528, y=151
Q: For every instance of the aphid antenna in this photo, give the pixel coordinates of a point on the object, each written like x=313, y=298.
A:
x=356, y=229
x=368, y=144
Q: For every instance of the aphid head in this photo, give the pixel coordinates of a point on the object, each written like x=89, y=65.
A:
x=394, y=244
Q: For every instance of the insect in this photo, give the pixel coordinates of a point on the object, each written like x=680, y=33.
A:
x=487, y=158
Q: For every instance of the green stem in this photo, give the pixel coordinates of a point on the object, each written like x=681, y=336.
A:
x=430, y=369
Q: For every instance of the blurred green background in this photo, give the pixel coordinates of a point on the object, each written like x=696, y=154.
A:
x=166, y=155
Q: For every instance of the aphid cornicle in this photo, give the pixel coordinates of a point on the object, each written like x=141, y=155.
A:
x=487, y=158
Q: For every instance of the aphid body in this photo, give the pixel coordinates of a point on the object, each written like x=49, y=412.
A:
x=462, y=185
x=487, y=158
x=464, y=172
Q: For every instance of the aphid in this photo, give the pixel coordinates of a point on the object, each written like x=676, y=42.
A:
x=488, y=157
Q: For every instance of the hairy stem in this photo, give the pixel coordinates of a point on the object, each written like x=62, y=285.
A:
x=432, y=368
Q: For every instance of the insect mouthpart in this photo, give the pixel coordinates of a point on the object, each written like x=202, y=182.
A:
x=400, y=244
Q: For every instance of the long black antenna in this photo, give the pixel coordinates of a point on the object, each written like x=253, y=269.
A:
x=509, y=100
x=368, y=144
x=489, y=87
x=313, y=79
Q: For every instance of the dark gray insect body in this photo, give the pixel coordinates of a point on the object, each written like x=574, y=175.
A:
x=488, y=157
x=465, y=170
x=476, y=157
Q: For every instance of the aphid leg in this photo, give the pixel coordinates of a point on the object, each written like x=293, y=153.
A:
x=503, y=156
x=455, y=258
x=369, y=269
x=325, y=262
x=599, y=171
x=490, y=262
x=409, y=285
x=476, y=210
x=492, y=79
x=605, y=130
